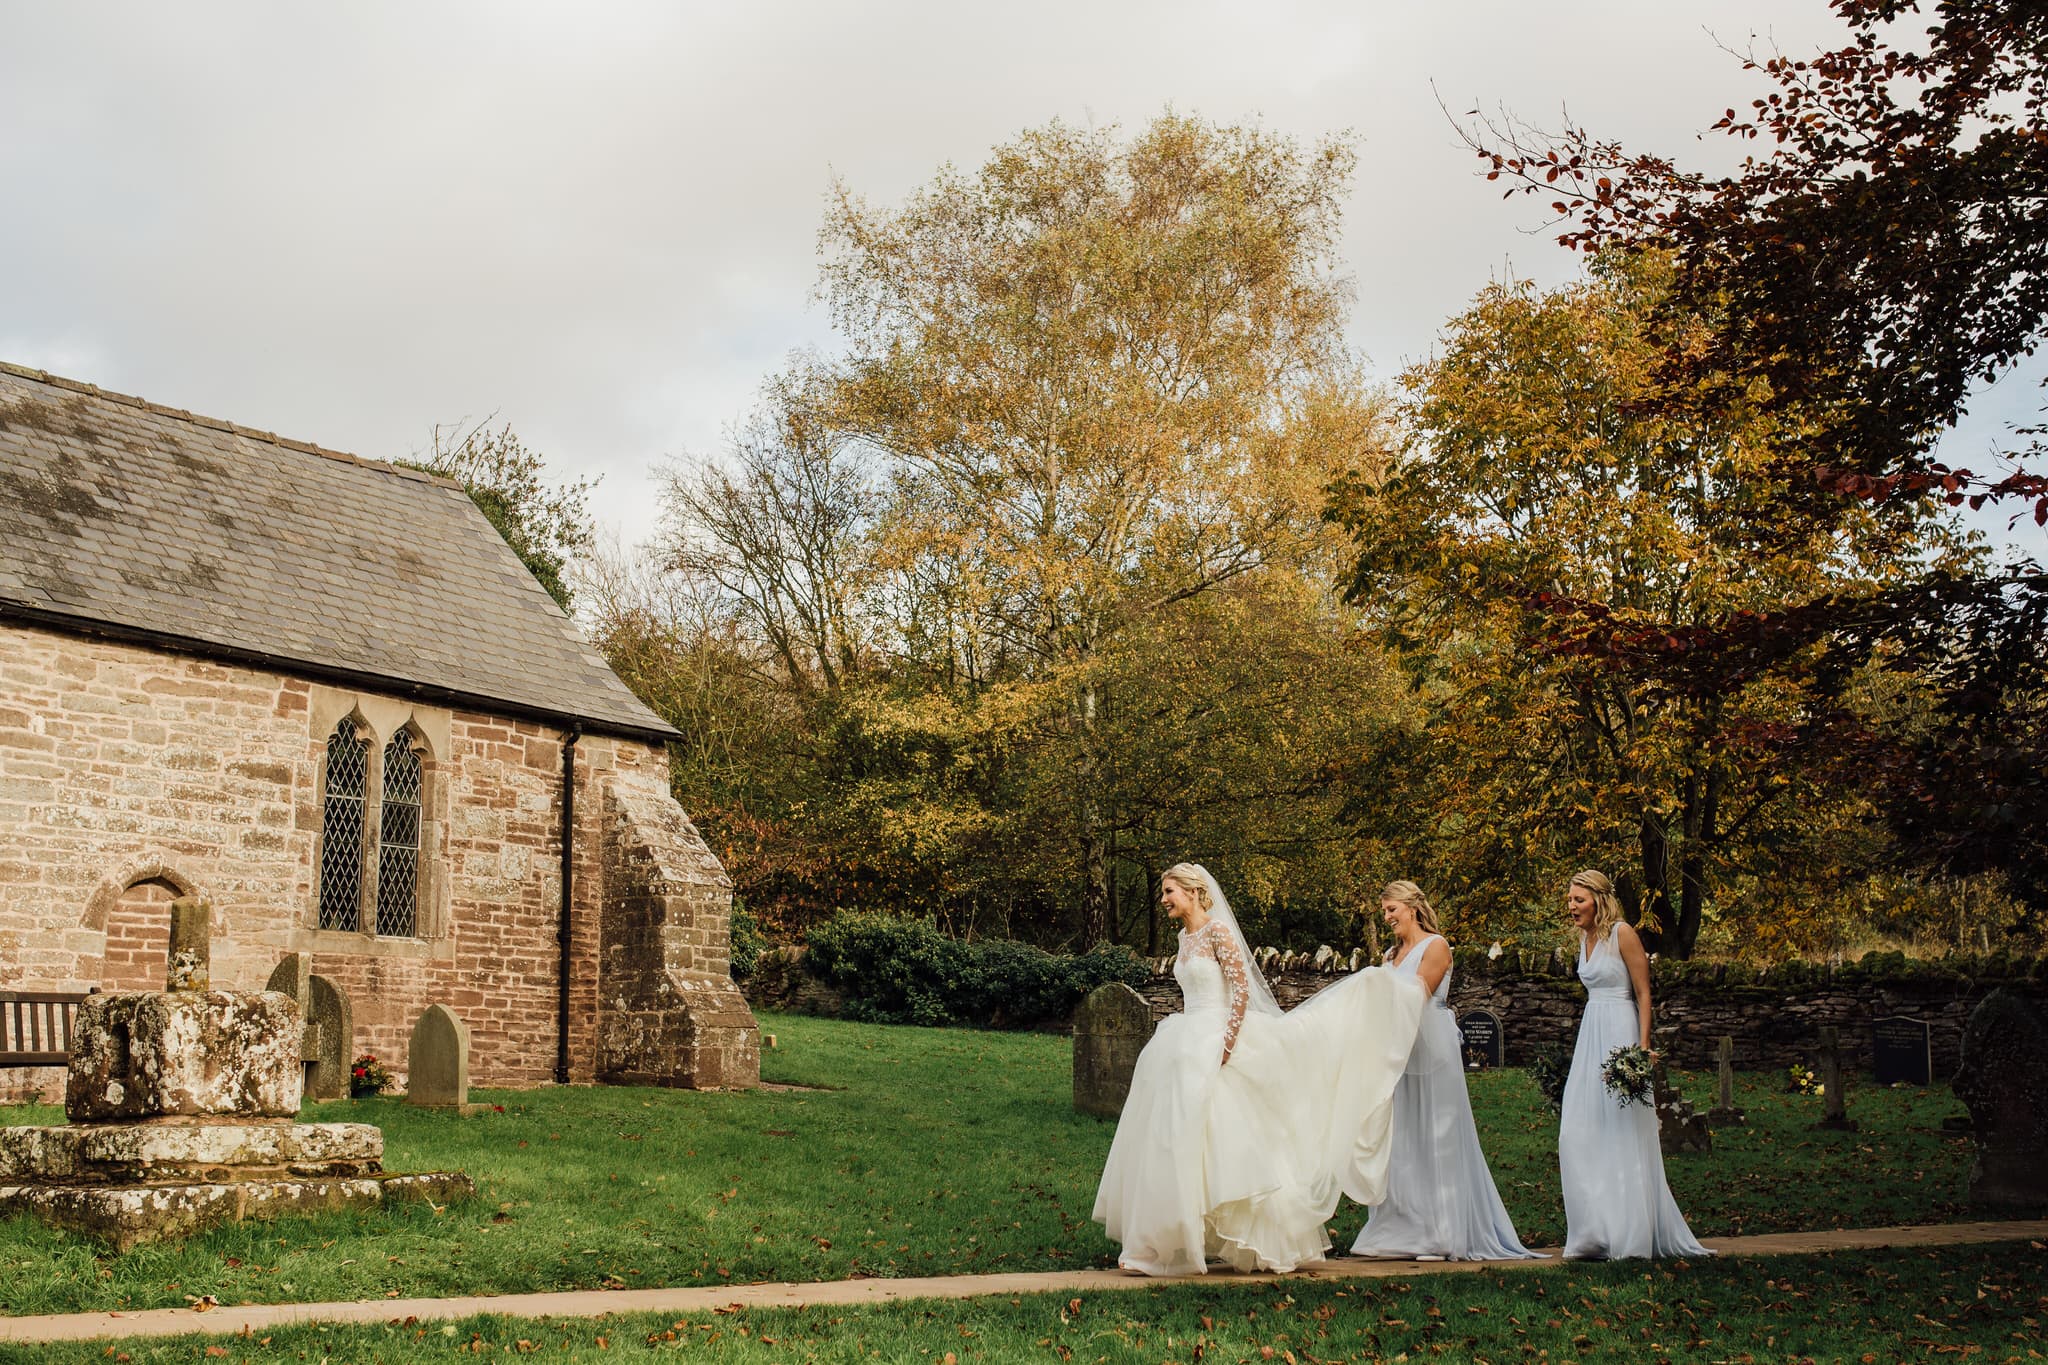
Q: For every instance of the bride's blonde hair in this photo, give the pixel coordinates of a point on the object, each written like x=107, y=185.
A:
x=1410, y=895
x=1188, y=877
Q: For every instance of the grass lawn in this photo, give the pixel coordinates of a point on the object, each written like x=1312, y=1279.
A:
x=936, y=1152
x=1985, y=1303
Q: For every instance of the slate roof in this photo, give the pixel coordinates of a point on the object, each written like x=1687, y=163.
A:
x=121, y=517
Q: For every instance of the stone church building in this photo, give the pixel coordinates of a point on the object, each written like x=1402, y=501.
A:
x=321, y=694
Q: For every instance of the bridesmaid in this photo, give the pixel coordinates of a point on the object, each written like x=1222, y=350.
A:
x=1616, y=1203
x=1441, y=1202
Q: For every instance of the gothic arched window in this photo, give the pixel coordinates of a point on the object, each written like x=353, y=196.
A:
x=341, y=828
x=398, y=843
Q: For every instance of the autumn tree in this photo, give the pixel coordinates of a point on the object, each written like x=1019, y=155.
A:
x=1875, y=259
x=1107, y=377
x=1545, y=480
x=780, y=531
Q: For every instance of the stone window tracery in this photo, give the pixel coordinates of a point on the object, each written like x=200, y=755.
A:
x=374, y=832
x=398, y=844
x=342, y=828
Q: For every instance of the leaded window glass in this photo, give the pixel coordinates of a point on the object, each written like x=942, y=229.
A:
x=398, y=844
x=341, y=829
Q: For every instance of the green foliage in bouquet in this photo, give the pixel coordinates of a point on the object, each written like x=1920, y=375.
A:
x=1630, y=1075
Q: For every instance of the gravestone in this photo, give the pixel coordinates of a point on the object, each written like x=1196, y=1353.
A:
x=1680, y=1127
x=1480, y=1038
x=188, y=963
x=293, y=976
x=1833, y=1080
x=1111, y=1028
x=1901, y=1049
x=437, y=1061
x=2004, y=1081
x=329, y=1030
x=1724, y=1111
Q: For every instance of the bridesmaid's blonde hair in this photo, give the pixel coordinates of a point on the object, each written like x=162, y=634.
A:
x=1606, y=905
x=1410, y=895
x=1188, y=877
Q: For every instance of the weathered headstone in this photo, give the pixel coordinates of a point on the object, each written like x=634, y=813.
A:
x=329, y=1030
x=1480, y=1038
x=1833, y=1079
x=437, y=1061
x=1680, y=1127
x=188, y=965
x=1901, y=1049
x=2004, y=1081
x=1724, y=1111
x=293, y=976
x=1111, y=1028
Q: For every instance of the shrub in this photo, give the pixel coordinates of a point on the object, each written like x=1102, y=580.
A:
x=747, y=941
x=1550, y=1068
x=898, y=971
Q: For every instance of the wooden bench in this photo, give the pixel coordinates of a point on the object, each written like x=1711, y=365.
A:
x=35, y=1027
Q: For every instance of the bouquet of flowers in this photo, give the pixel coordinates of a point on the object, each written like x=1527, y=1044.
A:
x=1630, y=1075
x=367, y=1077
x=1549, y=1069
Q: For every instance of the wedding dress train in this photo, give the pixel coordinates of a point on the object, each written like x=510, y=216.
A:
x=1243, y=1161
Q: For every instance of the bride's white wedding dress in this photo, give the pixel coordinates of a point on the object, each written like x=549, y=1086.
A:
x=1244, y=1161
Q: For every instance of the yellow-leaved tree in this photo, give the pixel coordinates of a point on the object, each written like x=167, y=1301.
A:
x=1105, y=377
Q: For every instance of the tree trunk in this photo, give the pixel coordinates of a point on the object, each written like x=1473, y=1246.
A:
x=1653, y=911
x=1095, y=920
x=1113, y=892
x=1151, y=913
x=1095, y=907
x=1702, y=816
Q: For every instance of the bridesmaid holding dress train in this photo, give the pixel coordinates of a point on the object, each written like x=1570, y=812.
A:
x=1616, y=1201
x=1441, y=1201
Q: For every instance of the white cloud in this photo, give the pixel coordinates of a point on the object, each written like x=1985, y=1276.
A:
x=349, y=222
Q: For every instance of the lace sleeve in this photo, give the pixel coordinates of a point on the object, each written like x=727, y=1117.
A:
x=1232, y=963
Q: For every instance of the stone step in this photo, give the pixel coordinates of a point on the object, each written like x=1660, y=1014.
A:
x=127, y=1215
x=128, y=1153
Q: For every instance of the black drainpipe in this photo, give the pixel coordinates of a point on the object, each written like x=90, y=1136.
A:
x=575, y=732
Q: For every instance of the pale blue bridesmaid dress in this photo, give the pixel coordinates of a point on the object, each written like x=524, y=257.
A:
x=1441, y=1199
x=1616, y=1201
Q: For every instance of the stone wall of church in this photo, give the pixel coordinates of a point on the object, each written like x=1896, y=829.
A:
x=129, y=775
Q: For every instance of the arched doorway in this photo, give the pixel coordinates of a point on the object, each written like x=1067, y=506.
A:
x=138, y=937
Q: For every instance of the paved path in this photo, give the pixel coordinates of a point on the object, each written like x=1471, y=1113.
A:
x=165, y=1322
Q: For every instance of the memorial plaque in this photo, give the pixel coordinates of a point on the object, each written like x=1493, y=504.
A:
x=1479, y=1037
x=1900, y=1051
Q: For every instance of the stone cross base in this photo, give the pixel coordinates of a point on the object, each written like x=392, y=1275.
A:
x=134, y=1153
x=138, y=1182
x=128, y=1215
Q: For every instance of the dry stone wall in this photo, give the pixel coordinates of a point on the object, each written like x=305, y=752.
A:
x=1775, y=1017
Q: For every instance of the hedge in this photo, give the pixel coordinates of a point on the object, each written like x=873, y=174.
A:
x=897, y=971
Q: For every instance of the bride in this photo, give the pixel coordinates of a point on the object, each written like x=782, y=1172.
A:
x=1243, y=1123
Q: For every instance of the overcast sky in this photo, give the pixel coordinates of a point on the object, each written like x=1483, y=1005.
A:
x=346, y=223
